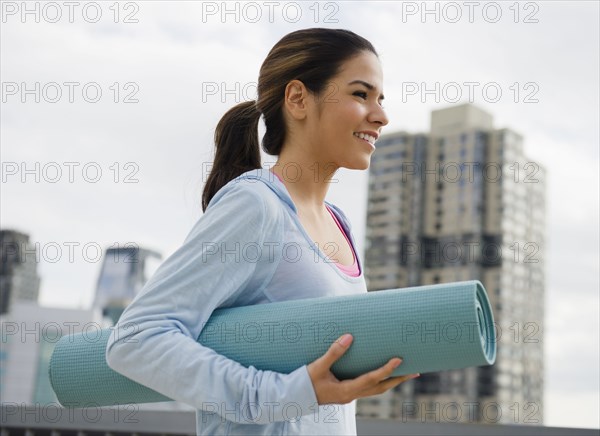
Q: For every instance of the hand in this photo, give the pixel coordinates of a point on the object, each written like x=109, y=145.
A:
x=330, y=390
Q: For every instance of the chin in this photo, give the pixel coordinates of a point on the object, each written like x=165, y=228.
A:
x=361, y=165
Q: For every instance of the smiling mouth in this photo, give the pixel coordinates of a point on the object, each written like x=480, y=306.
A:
x=367, y=138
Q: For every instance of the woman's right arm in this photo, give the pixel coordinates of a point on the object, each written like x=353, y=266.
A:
x=155, y=340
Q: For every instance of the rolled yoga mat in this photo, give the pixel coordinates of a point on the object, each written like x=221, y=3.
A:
x=433, y=328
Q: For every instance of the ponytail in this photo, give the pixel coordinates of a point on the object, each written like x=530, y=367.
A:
x=237, y=148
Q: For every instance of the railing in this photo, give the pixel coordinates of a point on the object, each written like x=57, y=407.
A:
x=26, y=420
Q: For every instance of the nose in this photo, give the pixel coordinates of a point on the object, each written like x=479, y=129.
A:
x=378, y=116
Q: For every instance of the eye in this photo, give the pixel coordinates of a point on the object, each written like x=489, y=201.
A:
x=361, y=94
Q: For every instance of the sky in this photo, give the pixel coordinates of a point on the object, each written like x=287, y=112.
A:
x=108, y=113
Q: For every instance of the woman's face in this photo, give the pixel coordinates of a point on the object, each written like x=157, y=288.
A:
x=349, y=105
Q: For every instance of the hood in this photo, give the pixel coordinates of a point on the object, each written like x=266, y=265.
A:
x=268, y=178
x=272, y=181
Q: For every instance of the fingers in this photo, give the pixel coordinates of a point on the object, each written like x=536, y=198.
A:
x=335, y=351
x=329, y=389
x=387, y=384
x=379, y=374
x=325, y=384
x=376, y=377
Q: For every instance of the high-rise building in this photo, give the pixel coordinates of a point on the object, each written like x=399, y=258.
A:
x=463, y=202
x=19, y=280
x=124, y=271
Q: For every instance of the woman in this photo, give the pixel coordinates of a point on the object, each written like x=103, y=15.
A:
x=267, y=236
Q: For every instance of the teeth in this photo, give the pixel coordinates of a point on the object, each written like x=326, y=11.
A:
x=369, y=138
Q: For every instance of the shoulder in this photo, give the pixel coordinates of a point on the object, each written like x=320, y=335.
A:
x=246, y=190
x=245, y=200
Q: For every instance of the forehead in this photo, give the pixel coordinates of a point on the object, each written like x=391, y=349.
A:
x=364, y=66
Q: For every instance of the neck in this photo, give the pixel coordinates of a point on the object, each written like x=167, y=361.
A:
x=306, y=182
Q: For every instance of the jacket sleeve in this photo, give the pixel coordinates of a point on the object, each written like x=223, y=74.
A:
x=154, y=342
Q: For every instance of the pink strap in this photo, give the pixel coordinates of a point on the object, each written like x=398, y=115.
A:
x=353, y=269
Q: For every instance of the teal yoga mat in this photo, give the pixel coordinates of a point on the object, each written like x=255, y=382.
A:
x=433, y=328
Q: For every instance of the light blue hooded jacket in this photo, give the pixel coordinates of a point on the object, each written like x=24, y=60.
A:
x=249, y=247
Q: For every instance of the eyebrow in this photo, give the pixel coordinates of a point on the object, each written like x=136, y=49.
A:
x=366, y=85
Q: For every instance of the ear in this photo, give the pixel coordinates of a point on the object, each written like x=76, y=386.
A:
x=296, y=99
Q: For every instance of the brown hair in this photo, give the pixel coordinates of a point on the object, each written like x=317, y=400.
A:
x=313, y=56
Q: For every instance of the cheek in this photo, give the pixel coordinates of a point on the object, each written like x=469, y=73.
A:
x=338, y=124
x=355, y=113
x=349, y=117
